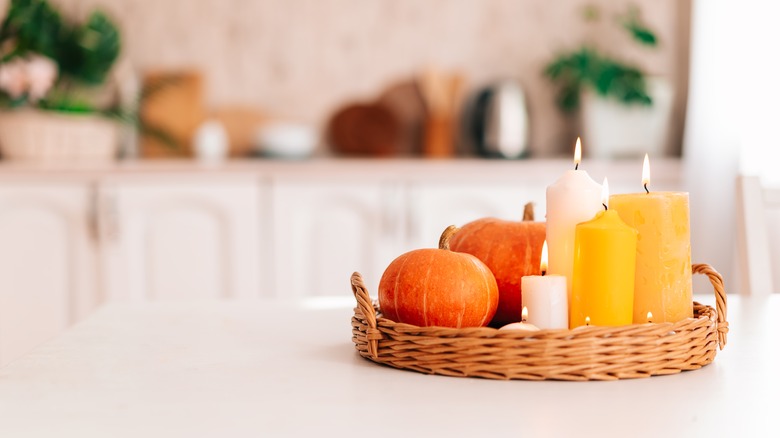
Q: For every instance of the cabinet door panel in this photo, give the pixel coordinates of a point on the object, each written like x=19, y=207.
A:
x=47, y=263
x=181, y=241
x=324, y=232
x=434, y=206
x=185, y=251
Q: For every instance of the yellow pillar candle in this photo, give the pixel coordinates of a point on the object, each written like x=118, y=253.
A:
x=663, y=252
x=604, y=262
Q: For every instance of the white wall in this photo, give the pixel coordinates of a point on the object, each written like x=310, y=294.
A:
x=711, y=140
x=758, y=83
x=760, y=136
x=733, y=119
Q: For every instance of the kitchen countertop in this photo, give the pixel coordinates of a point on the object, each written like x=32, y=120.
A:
x=472, y=169
x=272, y=368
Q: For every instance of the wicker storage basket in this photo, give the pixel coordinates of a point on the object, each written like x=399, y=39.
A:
x=585, y=353
x=47, y=136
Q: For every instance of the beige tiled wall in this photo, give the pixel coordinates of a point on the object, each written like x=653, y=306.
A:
x=303, y=58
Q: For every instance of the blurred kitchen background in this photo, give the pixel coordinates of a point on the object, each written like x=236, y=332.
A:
x=180, y=150
x=327, y=64
x=306, y=60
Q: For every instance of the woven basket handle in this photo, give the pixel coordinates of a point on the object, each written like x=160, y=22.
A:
x=720, y=299
x=373, y=335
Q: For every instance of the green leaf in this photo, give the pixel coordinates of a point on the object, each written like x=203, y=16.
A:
x=642, y=34
x=569, y=98
x=90, y=51
x=608, y=77
x=640, y=31
x=127, y=117
x=161, y=135
x=591, y=12
x=31, y=26
x=67, y=105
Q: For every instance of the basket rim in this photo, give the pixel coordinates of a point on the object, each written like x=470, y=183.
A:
x=701, y=312
x=705, y=316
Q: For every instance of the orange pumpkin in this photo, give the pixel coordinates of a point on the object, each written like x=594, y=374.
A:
x=511, y=250
x=438, y=287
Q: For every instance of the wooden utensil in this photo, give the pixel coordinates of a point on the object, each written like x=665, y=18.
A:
x=441, y=93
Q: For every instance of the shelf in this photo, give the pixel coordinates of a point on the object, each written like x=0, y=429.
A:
x=407, y=169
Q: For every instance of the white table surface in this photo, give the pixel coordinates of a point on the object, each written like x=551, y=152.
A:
x=272, y=369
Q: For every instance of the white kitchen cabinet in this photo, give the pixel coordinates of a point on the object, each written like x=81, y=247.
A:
x=181, y=238
x=48, y=275
x=73, y=237
x=325, y=230
x=434, y=206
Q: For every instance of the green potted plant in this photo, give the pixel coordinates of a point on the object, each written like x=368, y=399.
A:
x=623, y=110
x=53, y=85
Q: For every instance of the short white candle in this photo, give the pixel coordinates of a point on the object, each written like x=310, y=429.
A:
x=546, y=298
x=523, y=325
x=572, y=199
x=587, y=324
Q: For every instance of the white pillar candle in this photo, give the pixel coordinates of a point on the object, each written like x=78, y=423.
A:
x=572, y=199
x=546, y=298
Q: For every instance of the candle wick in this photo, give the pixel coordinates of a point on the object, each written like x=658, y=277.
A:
x=543, y=273
x=576, y=166
x=647, y=191
x=605, y=206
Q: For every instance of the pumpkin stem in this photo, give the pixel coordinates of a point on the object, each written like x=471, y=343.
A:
x=528, y=212
x=444, y=240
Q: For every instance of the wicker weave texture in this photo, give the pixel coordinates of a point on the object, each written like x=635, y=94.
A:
x=585, y=353
x=50, y=137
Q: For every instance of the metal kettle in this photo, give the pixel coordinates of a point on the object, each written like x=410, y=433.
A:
x=500, y=124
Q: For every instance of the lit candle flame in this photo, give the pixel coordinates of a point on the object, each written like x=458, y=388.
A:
x=524, y=314
x=587, y=320
x=605, y=194
x=577, y=154
x=649, y=316
x=543, y=262
x=646, y=173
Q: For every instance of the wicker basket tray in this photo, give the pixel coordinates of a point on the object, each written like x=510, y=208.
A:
x=585, y=353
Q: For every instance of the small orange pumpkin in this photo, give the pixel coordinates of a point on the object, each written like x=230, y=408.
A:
x=438, y=287
x=511, y=250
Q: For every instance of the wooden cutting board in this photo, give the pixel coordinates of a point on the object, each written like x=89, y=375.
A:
x=175, y=107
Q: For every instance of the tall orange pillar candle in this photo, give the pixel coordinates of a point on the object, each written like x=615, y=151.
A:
x=663, y=252
x=604, y=262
